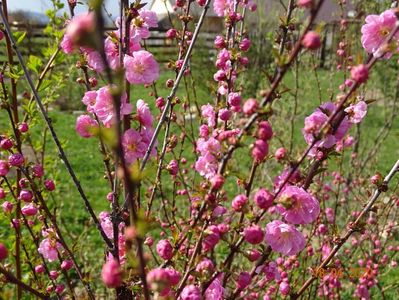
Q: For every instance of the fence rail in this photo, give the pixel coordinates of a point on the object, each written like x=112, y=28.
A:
x=162, y=47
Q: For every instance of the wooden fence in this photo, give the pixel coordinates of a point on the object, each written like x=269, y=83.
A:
x=164, y=49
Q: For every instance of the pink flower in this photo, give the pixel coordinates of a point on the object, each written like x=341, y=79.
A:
x=311, y=40
x=243, y=280
x=48, y=248
x=205, y=267
x=111, y=274
x=143, y=113
x=376, y=30
x=80, y=28
x=360, y=73
x=253, y=234
x=221, y=7
x=174, y=276
x=173, y=167
x=280, y=153
x=265, y=131
x=284, y=238
x=304, y=3
x=234, y=99
x=7, y=206
x=285, y=288
x=294, y=178
x=211, y=239
x=316, y=121
x=25, y=195
x=89, y=99
x=260, y=150
x=141, y=68
x=133, y=145
x=159, y=280
x=16, y=160
x=39, y=269
x=106, y=224
x=206, y=165
x=4, y=168
x=356, y=112
x=165, y=249
x=67, y=264
x=104, y=106
x=245, y=44
x=239, y=202
x=250, y=106
x=86, y=126
x=215, y=290
x=66, y=44
x=299, y=206
x=3, y=252
x=29, y=210
x=208, y=112
x=217, y=181
x=49, y=185
x=190, y=292
x=94, y=60
x=263, y=198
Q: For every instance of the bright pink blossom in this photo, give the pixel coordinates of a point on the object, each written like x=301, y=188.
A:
x=356, y=112
x=141, y=68
x=284, y=238
x=311, y=40
x=143, y=113
x=133, y=145
x=190, y=292
x=4, y=168
x=239, y=202
x=243, y=280
x=376, y=30
x=215, y=291
x=3, y=252
x=165, y=249
x=86, y=126
x=104, y=106
x=48, y=248
x=360, y=73
x=263, y=198
x=298, y=206
x=253, y=234
x=111, y=274
x=29, y=210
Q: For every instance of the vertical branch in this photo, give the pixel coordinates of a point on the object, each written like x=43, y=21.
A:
x=14, y=108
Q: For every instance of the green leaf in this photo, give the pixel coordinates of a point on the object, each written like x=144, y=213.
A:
x=19, y=36
x=34, y=63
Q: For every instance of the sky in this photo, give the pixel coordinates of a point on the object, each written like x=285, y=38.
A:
x=43, y=5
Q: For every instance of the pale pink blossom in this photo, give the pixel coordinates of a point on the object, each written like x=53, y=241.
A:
x=208, y=112
x=222, y=7
x=104, y=106
x=298, y=206
x=284, y=238
x=141, y=68
x=215, y=290
x=190, y=292
x=376, y=30
x=86, y=126
x=356, y=112
x=143, y=113
x=133, y=145
x=111, y=274
x=48, y=248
